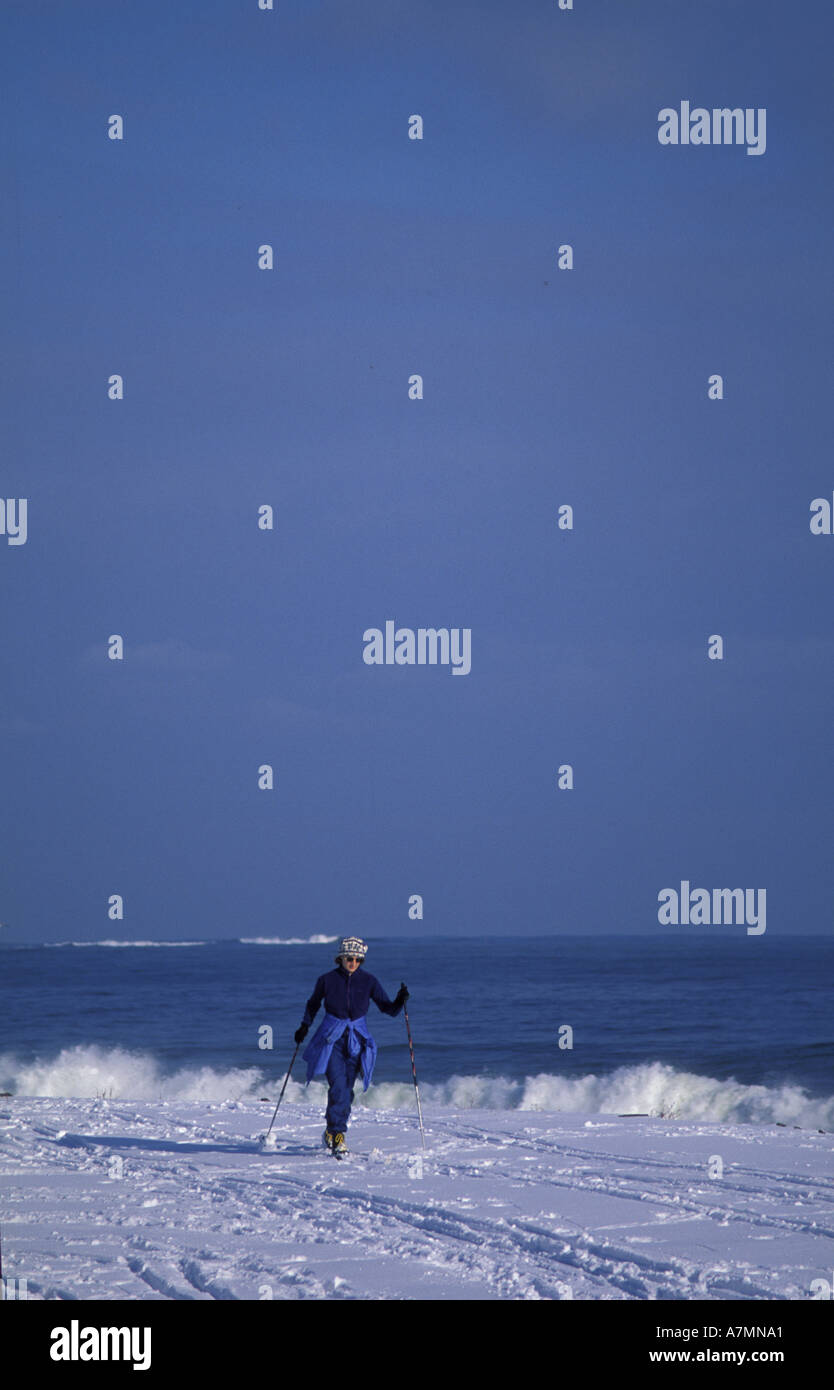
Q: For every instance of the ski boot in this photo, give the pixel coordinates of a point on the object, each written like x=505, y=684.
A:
x=334, y=1143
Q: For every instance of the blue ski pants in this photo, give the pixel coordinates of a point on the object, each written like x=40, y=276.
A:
x=342, y=1072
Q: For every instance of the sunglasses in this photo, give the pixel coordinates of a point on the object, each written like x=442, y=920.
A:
x=351, y=960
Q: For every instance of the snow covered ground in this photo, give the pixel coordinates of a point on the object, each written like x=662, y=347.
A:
x=175, y=1200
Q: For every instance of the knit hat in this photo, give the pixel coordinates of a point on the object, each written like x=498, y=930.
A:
x=352, y=946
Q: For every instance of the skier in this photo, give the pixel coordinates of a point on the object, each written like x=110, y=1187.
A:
x=342, y=1044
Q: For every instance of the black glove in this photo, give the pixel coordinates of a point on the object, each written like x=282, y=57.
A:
x=402, y=995
x=301, y=1033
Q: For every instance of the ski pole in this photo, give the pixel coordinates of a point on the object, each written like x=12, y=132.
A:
x=414, y=1074
x=283, y=1089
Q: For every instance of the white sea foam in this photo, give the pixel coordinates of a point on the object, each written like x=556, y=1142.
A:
x=652, y=1089
x=286, y=940
x=316, y=940
x=124, y=943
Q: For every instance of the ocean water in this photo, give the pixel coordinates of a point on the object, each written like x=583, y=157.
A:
x=692, y=1026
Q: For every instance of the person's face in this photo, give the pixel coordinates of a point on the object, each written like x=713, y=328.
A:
x=351, y=964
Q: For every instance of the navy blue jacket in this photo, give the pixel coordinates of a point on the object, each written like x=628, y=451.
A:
x=348, y=996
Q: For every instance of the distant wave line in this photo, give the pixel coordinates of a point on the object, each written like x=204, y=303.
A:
x=315, y=940
x=56, y=944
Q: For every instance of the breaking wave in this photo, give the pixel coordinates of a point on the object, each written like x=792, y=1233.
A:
x=115, y=1074
x=654, y=1089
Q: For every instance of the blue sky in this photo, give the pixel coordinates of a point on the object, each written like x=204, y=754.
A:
x=289, y=387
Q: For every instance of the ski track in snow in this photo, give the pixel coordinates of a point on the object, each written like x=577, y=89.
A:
x=108, y=1200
